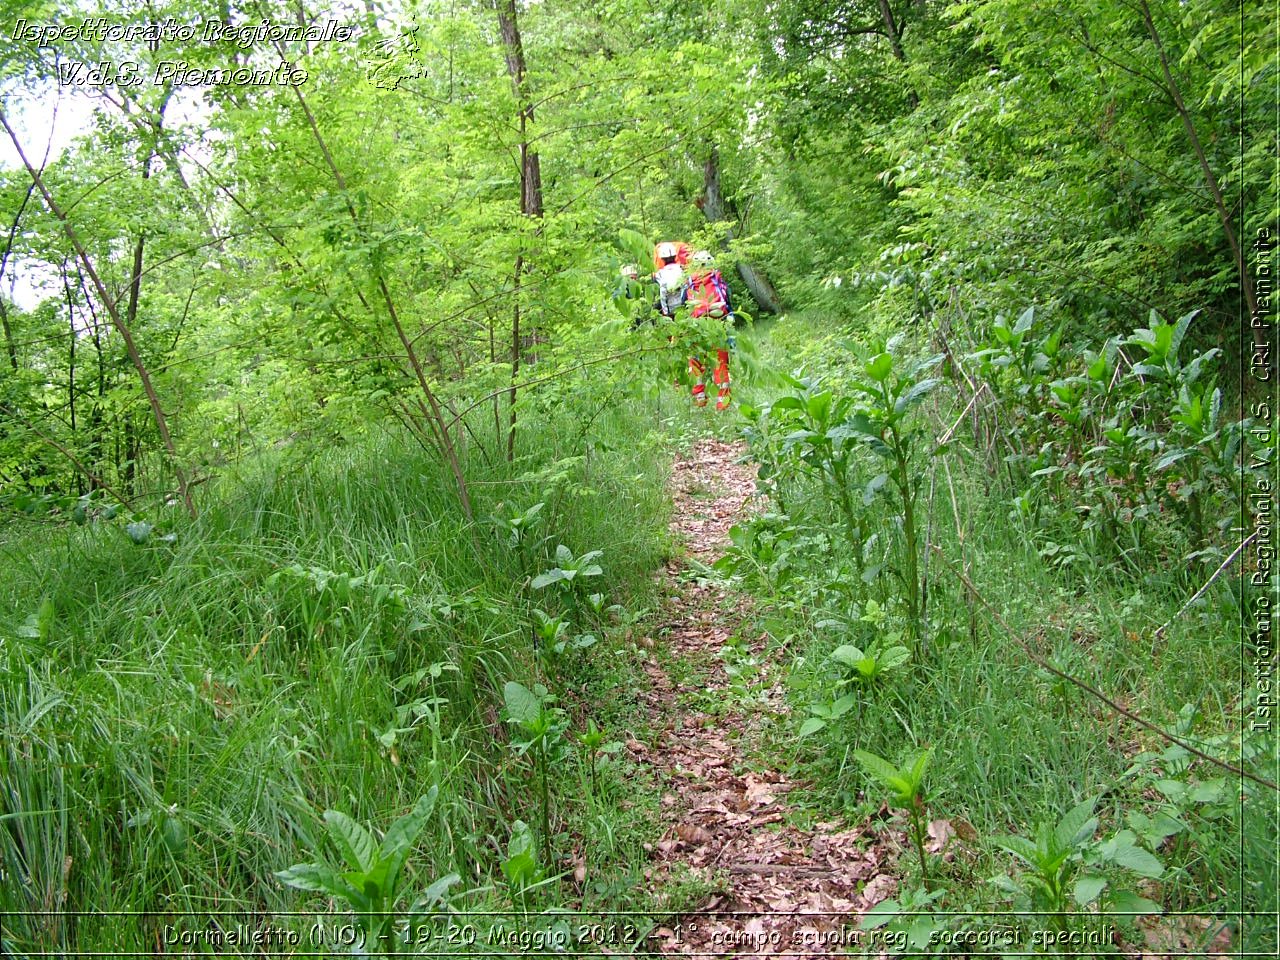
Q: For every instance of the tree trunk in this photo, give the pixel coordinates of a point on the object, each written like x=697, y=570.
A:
x=96, y=445
x=71, y=365
x=11, y=347
x=1211, y=181
x=133, y=454
x=891, y=31
x=894, y=32
x=515, y=362
x=713, y=208
x=530, y=167
x=530, y=189
x=97, y=439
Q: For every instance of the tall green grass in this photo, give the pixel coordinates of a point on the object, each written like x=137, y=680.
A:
x=177, y=714
x=1012, y=745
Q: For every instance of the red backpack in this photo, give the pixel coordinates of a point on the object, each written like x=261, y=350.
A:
x=708, y=296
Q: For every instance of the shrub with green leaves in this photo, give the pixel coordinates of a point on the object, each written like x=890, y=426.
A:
x=1070, y=869
x=1115, y=450
x=822, y=433
x=1183, y=808
x=521, y=866
x=540, y=731
x=822, y=444
x=891, y=387
x=570, y=575
x=516, y=528
x=597, y=744
x=369, y=875
x=863, y=667
x=763, y=551
x=906, y=792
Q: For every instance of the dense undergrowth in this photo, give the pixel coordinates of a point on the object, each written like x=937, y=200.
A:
x=332, y=680
x=351, y=672
x=183, y=700
x=916, y=583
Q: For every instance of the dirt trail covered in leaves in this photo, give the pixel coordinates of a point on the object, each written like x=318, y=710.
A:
x=726, y=811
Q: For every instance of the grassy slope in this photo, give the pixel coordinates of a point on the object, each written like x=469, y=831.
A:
x=178, y=714
x=1012, y=746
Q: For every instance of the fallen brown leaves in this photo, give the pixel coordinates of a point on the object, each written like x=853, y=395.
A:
x=783, y=885
x=1166, y=938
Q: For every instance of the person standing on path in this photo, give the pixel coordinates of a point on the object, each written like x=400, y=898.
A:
x=669, y=259
x=708, y=296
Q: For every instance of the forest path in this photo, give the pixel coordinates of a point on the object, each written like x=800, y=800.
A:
x=716, y=690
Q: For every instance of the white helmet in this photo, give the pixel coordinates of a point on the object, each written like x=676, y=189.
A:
x=630, y=271
x=703, y=259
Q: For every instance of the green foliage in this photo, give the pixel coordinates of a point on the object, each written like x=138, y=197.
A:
x=909, y=920
x=555, y=636
x=1188, y=809
x=517, y=527
x=906, y=792
x=541, y=733
x=814, y=430
x=596, y=744
x=1099, y=440
x=762, y=551
x=889, y=396
x=863, y=667
x=1070, y=869
x=319, y=283
x=368, y=875
x=866, y=667
x=569, y=571
x=520, y=866
x=744, y=668
x=821, y=442
x=334, y=607
x=971, y=698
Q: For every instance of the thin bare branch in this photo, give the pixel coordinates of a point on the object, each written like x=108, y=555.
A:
x=1207, y=584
